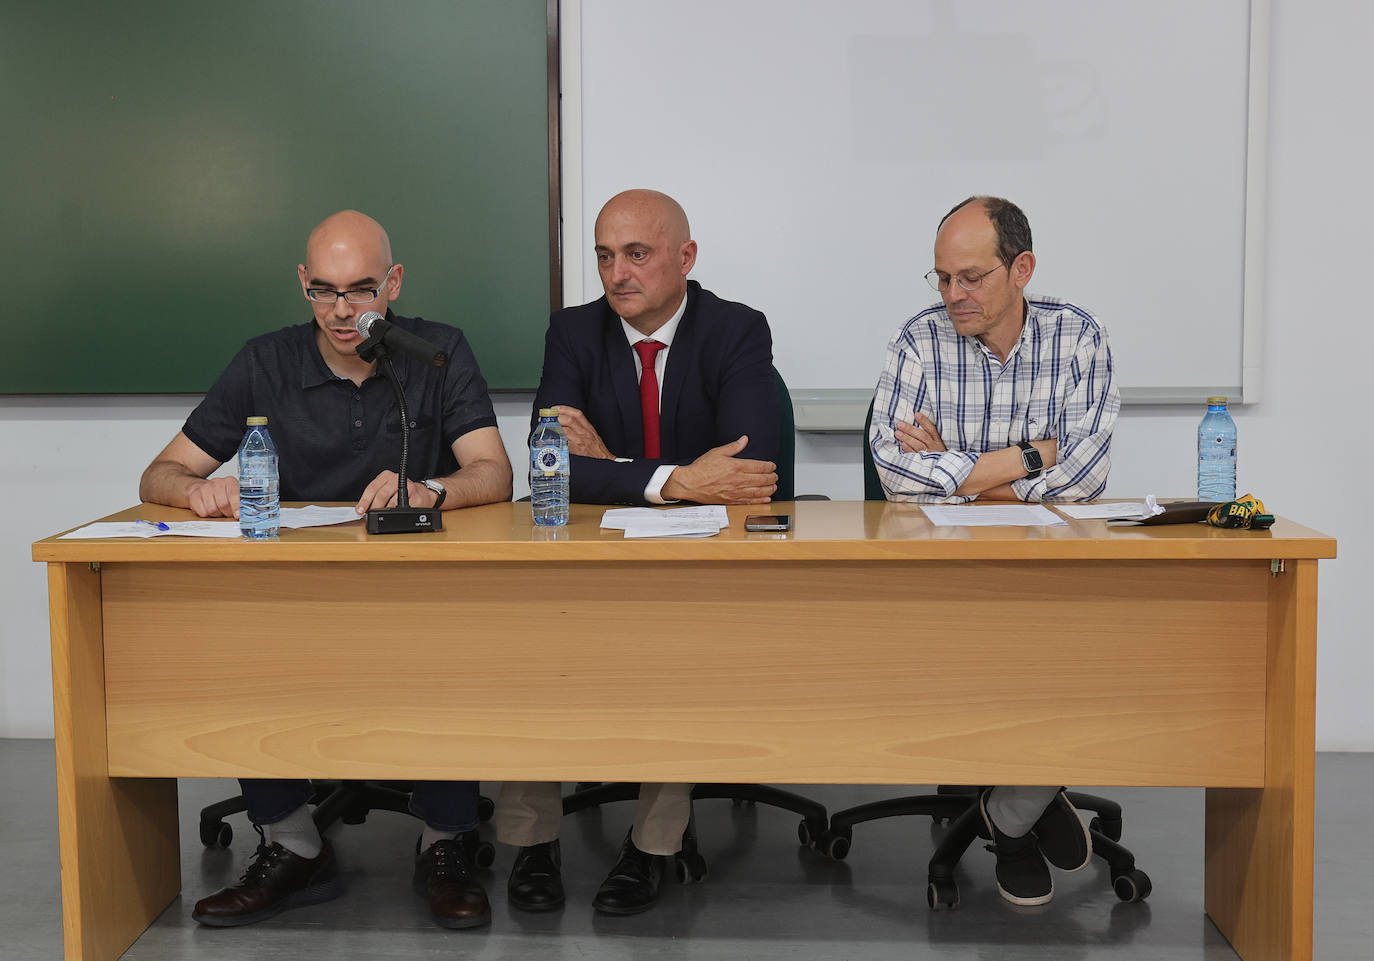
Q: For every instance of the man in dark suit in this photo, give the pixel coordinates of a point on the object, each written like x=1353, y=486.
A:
x=667, y=394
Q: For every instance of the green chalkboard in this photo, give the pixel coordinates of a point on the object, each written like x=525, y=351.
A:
x=162, y=163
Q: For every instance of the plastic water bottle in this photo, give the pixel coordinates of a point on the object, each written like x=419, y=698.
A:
x=549, y=485
x=259, y=485
x=1216, y=453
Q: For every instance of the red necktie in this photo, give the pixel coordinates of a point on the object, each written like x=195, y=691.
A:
x=648, y=394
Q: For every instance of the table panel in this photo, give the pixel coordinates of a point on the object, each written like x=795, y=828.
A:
x=1139, y=672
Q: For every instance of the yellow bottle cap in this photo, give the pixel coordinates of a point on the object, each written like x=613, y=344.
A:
x=257, y=422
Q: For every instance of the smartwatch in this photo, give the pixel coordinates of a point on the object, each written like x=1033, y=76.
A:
x=442, y=491
x=1030, y=459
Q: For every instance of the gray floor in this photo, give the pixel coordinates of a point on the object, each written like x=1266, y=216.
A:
x=766, y=898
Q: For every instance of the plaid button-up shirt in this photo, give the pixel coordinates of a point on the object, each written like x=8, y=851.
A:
x=1056, y=382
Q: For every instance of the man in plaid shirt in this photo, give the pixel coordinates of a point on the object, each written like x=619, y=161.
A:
x=999, y=396
x=991, y=394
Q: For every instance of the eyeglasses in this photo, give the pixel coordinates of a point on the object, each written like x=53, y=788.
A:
x=328, y=295
x=967, y=280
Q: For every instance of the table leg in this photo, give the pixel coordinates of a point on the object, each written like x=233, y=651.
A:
x=121, y=860
x=1259, y=840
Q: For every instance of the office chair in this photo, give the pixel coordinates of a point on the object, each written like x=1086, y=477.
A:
x=689, y=863
x=958, y=806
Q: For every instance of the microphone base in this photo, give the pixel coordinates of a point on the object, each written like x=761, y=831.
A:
x=405, y=520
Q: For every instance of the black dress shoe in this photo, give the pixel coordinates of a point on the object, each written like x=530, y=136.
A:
x=444, y=876
x=633, y=884
x=536, y=878
x=275, y=880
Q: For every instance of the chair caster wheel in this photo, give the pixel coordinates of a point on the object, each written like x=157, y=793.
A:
x=942, y=893
x=812, y=835
x=486, y=807
x=836, y=846
x=1132, y=886
x=691, y=868
x=216, y=834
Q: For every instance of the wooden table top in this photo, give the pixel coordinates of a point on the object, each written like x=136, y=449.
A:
x=821, y=531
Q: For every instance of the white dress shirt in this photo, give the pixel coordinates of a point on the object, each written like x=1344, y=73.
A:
x=653, y=491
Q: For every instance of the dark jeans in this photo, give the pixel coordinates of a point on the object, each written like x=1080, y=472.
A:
x=443, y=805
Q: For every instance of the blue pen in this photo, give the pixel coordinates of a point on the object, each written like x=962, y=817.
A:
x=158, y=524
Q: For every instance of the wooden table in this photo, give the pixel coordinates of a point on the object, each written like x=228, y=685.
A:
x=867, y=646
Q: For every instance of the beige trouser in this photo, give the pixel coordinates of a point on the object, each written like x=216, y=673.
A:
x=1016, y=809
x=529, y=812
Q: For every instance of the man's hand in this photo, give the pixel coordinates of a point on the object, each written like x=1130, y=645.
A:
x=216, y=497
x=720, y=477
x=583, y=440
x=381, y=493
x=919, y=436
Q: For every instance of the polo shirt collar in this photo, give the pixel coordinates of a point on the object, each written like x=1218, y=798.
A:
x=314, y=371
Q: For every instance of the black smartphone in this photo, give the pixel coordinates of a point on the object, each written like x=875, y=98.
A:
x=768, y=522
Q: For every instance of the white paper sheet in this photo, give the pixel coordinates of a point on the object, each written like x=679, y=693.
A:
x=703, y=521
x=992, y=515
x=225, y=529
x=618, y=518
x=317, y=516
x=1139, y=509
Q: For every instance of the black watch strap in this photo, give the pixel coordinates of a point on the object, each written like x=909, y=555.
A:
x=438, y=488
x=1031, y=459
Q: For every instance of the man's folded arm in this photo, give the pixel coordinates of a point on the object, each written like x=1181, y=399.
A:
x=919, y=475
x=1085, y=428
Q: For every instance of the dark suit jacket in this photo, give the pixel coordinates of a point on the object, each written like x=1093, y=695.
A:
x=718, y=384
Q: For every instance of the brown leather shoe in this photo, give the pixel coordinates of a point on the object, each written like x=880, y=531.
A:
x=456, y=898
x=274, y=881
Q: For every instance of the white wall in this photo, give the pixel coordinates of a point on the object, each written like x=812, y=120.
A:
x=66, y=460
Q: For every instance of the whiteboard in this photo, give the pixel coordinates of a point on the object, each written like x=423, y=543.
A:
x=816, y=145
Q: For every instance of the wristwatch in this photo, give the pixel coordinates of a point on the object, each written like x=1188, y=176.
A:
x=1030, y=459
x=439, y=489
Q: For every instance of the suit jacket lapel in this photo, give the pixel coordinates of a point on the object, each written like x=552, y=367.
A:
x=682, y=357
x=624, y=383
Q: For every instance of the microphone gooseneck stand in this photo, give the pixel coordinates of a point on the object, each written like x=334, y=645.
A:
x=401, y=519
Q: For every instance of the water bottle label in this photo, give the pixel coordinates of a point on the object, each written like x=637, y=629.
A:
x=548, y=460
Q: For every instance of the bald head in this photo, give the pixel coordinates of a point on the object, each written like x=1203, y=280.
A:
x=655, y=211
x=349, y=254
x=352, y=231
x=644, y=251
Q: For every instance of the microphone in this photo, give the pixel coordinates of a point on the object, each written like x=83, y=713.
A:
x=378, y=330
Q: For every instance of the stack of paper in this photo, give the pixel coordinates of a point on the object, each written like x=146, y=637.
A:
x=317, y=516
x=145, y=529
x=312, y=516
x=992, y=515
x=706, y=521
x=1134, y=510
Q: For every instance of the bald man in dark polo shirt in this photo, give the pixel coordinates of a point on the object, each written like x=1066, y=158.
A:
x=336, y=425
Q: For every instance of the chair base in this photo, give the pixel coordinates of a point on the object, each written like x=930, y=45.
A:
x=350, y=802
x=959, y=807
x=691, y=866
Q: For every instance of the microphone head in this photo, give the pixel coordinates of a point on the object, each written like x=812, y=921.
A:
x=366, y=320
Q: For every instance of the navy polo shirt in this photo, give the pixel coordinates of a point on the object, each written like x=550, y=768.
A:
x=334, y=437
